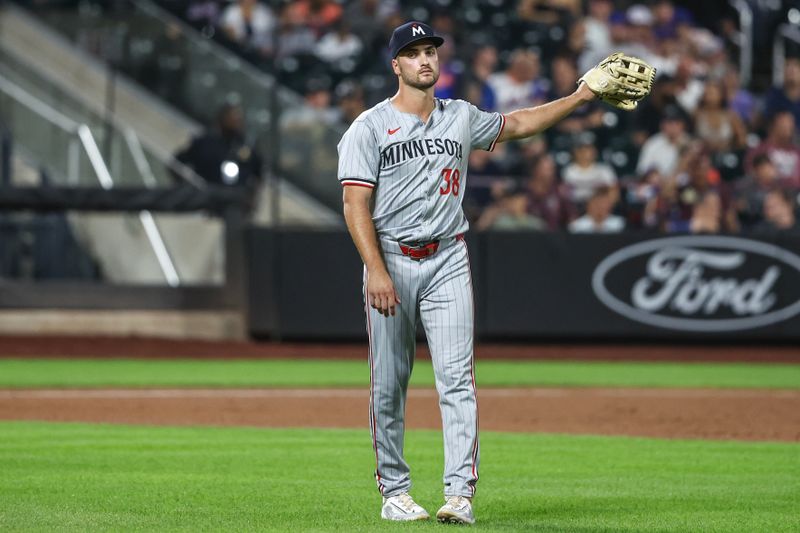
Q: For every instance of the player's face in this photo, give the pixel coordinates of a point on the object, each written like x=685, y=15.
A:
x=418, y=66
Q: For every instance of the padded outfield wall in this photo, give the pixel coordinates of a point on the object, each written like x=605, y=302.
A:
x=532, y=286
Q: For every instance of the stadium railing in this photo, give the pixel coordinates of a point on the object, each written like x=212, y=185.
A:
x=71, y=156
x=206, y=76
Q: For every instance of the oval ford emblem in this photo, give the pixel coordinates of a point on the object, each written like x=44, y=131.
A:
x=701, y=283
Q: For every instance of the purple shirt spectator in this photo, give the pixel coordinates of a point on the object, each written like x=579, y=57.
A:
x=545, y=200
x=787, y=97
x=668, y=17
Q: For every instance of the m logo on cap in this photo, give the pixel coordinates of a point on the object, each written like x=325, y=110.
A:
x=409, y=33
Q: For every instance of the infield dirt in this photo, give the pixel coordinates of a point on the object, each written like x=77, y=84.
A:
x=669, y=413
x=745, y=414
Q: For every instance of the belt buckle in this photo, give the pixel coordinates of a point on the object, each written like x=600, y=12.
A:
x=419, y=251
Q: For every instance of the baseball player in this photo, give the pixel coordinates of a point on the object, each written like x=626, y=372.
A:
x=403, y=166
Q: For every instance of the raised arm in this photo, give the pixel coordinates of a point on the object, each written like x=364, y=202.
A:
x=619, y=80
x=532, y=120
x=380, y=288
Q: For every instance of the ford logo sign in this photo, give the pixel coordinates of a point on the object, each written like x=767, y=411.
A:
x=701, y=283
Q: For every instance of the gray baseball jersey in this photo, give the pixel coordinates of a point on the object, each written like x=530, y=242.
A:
x=418, y=172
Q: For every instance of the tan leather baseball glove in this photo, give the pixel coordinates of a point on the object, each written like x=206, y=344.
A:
x=620, y=80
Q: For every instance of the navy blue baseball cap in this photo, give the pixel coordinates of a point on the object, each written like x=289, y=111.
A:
x=409, y=33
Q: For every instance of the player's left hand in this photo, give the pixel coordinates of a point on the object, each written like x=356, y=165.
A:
x=620, y=80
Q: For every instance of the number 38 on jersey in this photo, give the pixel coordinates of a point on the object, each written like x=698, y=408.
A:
x=451, y=184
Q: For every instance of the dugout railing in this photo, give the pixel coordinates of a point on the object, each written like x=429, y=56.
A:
x=225, y=204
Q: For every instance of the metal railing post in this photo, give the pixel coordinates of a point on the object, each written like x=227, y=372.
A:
x=746, y=40
x=74, y=162
x=5, y=158
x=148, y=221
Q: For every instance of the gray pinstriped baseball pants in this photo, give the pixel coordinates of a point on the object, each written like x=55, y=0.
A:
x=438, y=289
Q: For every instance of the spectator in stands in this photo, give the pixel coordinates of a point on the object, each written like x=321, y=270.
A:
x=665, y=57
x=575, y=43
x=250, y=24
x=599, y=217
x=661, y=207
x=626, y=29
x=689, y=88
x=545, y=199
x=739, y=98
x=451, y=66
x=474, y=86
x=630, y=31
x=366, y=17
x=638, y=194
x=221, y=155
x=649, y=114
x=585, y=174
x=782, y=148
x=668, y=18
x=587, y=117
x=660, y=31
x=449, y=70
x=295, y=38
x=386, y=28
x=510, y=213
x=707, y=214
x=705, y=46
x=350, y=100
x=787, y=97
x=549, y=12
x=716, y=124
x=339, y=44
x=446, y=26
x=563, y=74
x=317, y=110
x=780, y=214
x=598, y=32
x=696, y=178
x=662, y=151
x=752, y=189
x=317, y=15
x=519, y=85
x=487, y=183
x=521, y=157
x=640, y=22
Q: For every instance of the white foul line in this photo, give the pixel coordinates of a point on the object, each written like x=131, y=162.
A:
x=560, y=392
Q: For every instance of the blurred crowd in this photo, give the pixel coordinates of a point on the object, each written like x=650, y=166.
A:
x=713, y=149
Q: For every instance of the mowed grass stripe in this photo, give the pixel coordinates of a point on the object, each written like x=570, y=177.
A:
x=80, y=477
x=16, y=373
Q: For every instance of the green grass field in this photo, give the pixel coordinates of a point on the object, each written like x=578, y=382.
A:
x=83, y=477
x=78, y=477
x=326, y=373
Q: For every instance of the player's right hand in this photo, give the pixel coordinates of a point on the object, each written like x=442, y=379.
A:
x=381, y=293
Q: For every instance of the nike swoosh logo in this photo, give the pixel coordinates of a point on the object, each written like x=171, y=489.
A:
x=392, y=132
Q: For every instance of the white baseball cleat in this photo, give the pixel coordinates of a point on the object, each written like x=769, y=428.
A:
x=457, y=510
x=402, y=508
